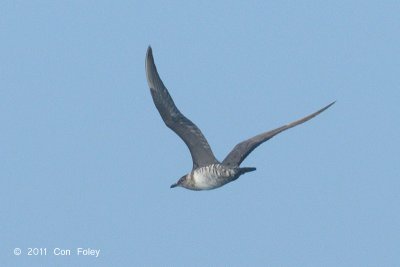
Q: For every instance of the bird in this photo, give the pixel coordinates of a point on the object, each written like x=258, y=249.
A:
x=207, y=172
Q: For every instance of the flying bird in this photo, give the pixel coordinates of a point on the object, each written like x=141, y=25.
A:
x=207, y=172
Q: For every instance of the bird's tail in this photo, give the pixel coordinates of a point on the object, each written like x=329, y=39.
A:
x=246, y=169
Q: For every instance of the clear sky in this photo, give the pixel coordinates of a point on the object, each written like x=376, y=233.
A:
x=86, y=161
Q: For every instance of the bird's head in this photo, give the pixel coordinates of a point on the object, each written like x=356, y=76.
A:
x=180, y=182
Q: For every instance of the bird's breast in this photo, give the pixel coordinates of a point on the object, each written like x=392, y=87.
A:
x=212, y=176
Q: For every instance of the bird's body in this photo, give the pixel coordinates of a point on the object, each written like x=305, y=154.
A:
x=212, y=176
x=207, y=172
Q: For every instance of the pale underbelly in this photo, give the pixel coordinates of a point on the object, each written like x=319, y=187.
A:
x=207, y=182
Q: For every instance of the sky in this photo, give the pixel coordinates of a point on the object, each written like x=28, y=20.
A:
x=86, y=161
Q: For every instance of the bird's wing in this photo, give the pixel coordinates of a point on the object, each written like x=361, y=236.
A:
x=200, y=150
x=243, y=149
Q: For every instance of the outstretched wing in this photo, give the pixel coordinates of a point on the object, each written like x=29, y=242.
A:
x=243, y=149
x=200, y=150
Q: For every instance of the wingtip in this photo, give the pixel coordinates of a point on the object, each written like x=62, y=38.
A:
x=149, y=61
x=326, y=107
x=149, y=52
x=331, y=104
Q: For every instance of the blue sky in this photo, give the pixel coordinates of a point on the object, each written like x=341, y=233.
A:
x=86, y=160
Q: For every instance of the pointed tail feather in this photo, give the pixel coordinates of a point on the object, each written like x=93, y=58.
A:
x=246, y=169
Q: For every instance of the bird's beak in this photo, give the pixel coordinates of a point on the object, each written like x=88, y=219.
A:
x=174, y=185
